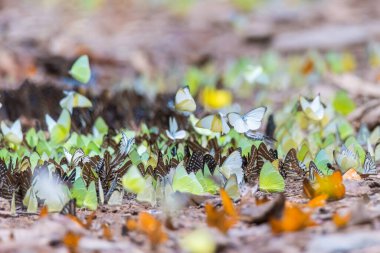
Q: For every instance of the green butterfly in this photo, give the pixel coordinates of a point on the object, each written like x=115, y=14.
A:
x=133, y=181
x=184, y=182
x=270, y=179
x=148, y=195
x=206, y=181
x=81, y=70
x=30, y=201
x=59, y=130
x=85, y=197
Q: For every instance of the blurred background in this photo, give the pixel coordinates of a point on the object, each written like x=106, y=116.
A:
x=128, y=38
x=262, y=51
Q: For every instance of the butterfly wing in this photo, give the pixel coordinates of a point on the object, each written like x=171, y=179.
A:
x=254, y=117
x=251, y=171
x=313, y=169
x=270, y=179
x=233, y=165
x=161, y=169
x=215, y=123
x=184, y=102
x=69, y=208
x=210, y=161
x=263, y=154
x=237, y=122
x=195, y=162
x=369, y=167
x=291, y=166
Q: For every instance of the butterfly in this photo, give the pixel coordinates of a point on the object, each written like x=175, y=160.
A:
x=250, y=169
x=74, y=100
x=12, y=134
x=7, y=182
x=123, y=149
x=270, y=179
x=76, y=158
x=173, y=132
x=257, y=136
x=210, y=162
x=249, y=121
x=313, y=169
x=233, y=165
x=81, y=70
x=69, y=208
x=195, y=162
x=263, y=154
x=313, y=109
x=346, y=159
x=186, y=182
x=291, y=164
x=125, y=144
x=161, y=169
x=369, y=166
x=215, y=122
x=184, y=102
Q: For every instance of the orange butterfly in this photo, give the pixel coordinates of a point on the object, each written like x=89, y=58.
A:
x=222, y=219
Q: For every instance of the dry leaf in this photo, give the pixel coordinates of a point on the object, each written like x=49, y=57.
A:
x=293, y=219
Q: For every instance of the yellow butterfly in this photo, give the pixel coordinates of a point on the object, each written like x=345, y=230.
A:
x=215, y=122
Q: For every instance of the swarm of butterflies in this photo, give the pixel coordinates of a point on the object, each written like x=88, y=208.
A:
x=220, y=150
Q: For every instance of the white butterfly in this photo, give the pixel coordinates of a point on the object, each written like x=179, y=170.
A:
x=126, y=144
x=215, y=122
x=14, y=133
x=173, y=132
x=369, y=167
x=76, y=158
x=184, y=102
x=249, y=121
x=314, y=109
x=233, y=165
